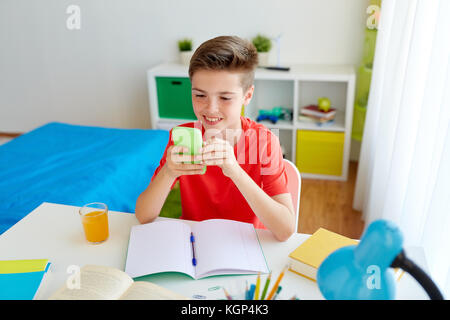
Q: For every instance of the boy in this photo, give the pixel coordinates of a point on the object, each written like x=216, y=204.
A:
x=245, y=179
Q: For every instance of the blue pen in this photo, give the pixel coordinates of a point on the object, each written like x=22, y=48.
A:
x=194, y=261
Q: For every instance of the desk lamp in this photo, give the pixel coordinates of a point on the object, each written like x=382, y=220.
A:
x=361, y=272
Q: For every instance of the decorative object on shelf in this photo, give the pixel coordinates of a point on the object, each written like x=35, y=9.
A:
x=185, y=48
x=275, y=114
x=277, y=40
x=278, y=66
x=324, y=104
x=317, y=121
x=266, y=115
x=314, y=110
x=362, y=271
x=263, y=45
x=313, y=113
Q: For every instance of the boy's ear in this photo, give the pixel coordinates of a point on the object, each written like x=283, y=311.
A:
x=248, y=95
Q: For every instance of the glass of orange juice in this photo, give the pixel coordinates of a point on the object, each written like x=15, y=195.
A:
x=94, y=217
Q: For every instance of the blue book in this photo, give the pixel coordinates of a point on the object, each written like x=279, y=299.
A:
x=21, y=279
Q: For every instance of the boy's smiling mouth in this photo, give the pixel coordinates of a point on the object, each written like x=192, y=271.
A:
x=212, y=120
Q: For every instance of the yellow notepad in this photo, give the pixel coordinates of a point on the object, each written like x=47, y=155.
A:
x=22, y=266
x=306, y=259
x=22, y=279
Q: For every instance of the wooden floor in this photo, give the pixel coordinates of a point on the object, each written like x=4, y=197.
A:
x=328, y=204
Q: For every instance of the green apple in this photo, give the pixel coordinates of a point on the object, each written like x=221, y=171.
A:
x=324, y=104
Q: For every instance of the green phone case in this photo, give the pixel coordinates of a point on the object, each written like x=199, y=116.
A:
x=190, y=138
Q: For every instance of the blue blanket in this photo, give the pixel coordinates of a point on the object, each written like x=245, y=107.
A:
x=75, y=165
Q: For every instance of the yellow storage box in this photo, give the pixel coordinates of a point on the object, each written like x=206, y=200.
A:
x=320, y=152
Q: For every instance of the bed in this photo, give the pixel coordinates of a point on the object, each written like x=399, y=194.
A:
x=75, y=165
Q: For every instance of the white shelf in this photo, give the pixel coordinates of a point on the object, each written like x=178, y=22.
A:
x=170, y=70
x=281, y=124
x=308, y=73
x=292, y=89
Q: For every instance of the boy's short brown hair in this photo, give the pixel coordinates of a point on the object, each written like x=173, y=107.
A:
x=228, y=53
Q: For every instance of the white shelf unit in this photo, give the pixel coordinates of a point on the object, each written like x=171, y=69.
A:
x=293, y=89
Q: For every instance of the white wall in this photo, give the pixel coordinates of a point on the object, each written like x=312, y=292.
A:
x=96, y=75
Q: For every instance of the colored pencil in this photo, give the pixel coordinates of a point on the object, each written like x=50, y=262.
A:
x=258, y=284
x=277, y=283
x=276, y=294
x=227, y=294
x=266, y=286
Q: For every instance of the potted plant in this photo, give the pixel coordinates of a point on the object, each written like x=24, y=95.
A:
x=263, y=45
x=185, y=48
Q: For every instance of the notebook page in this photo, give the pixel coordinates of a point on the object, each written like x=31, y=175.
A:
x=161, y=246
x=227, y=247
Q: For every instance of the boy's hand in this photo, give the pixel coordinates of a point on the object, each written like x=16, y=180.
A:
x=178, y=162
x=218, y=152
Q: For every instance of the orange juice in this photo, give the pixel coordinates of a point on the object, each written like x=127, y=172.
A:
x=95, y=225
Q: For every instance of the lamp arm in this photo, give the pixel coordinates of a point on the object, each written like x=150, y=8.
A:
x=402, y=261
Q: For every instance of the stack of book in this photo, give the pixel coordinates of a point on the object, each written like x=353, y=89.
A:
x=312, y=113
x=306, y=259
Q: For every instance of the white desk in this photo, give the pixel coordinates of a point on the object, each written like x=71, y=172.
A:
x=55, y=232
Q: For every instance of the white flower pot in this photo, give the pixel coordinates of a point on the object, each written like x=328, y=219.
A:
x=263, y=59
x=185, y=57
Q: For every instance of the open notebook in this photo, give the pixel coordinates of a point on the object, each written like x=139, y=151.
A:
x=220, y=247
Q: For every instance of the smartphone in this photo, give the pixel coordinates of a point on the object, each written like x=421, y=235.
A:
x=190, y=138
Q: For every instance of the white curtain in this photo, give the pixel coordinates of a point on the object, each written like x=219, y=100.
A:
x=404, y=166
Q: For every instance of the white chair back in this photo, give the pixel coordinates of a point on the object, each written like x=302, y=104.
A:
x=294, y=186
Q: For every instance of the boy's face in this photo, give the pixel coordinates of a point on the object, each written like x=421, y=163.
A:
x=217, y=97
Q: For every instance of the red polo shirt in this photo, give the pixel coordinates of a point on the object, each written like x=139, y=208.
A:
x=215, y=196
